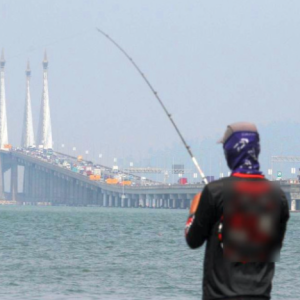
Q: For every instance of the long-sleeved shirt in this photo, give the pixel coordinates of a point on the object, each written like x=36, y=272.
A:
x=222, y=278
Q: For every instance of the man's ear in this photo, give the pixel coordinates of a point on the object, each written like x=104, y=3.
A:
x=195, y=203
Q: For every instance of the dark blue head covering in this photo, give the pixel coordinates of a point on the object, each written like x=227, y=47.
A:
x=241, y=151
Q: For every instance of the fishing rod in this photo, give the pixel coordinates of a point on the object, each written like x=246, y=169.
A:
x=187, y=147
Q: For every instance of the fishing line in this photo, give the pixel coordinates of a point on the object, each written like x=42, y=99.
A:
x=187, y=147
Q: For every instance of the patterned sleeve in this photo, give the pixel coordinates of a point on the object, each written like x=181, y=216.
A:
x=198, y=225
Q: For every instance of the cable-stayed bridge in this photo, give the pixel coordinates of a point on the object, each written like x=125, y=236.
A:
x=34, y=181
x=43, y=182
x=28, y=177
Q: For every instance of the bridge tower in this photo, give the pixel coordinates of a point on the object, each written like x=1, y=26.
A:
x=28, y=134
x=45, y=130
x=3, y=116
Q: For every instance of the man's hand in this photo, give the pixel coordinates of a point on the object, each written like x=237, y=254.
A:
x=195, y=203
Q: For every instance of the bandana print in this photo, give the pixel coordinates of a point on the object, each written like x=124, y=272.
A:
x=241, y=152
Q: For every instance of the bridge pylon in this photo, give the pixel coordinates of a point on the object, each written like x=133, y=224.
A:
x=3, y=116
x=45, y=129
x=28, y=134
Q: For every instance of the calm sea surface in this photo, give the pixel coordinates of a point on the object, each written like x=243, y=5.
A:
x=113, y=254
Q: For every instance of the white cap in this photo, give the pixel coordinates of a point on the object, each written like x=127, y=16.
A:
x=236, y=127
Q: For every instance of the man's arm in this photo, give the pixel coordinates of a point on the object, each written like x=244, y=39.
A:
x=285, y=215
x=199, y=222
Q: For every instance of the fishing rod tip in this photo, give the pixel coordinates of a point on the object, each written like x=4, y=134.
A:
x=102, y=32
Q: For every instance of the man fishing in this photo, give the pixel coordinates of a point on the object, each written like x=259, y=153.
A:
x=243, y=219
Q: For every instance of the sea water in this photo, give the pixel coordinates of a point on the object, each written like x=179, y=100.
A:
x=114, y=254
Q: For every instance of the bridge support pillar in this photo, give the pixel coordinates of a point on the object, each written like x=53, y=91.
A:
x=117, y=201
x=47, y=187
x=82, y=193
x=124, y=201
x=130, y=201
x=104, y=199
x=95, y=202
x=43, y=186
x=177, y=201
x=26, y=183
x=79, y=193
x=100, y=198
x=174, y=203
x=186, y=202
x=84, y=196
x=110, y=200
x=54, y=187
x=62, y=190
x=182, y=201
x=158, y=203
x=142, y=201
x=34, y=184
x=190, y=200
x=149, y=201
x=66, y=189
x=51, y=186
x=38, y=185
x=161, y=202
x=14, y=180
x=153, y=202
x=165, y=203
x=74, y=192
x=2, y=195
x=135, y=201
x=293, y=204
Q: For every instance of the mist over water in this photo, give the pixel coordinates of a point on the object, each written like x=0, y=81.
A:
x=112, y=253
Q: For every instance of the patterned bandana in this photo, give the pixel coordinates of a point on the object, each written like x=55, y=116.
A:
x=241, y=151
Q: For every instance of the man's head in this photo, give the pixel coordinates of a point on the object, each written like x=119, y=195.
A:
x=241, y=147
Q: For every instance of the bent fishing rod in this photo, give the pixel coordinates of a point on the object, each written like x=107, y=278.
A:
x=187, y=147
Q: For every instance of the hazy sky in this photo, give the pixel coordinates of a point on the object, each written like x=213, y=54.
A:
x=212, y=62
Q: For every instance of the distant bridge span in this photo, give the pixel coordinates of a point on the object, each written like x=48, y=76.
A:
x=44, y=183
